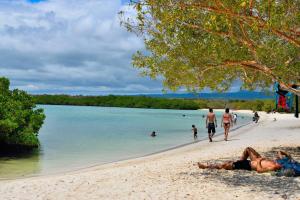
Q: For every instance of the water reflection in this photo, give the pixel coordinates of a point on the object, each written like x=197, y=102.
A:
x=19, y=164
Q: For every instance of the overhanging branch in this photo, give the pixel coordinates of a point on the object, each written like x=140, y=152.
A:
x=248, y=19
x=251, y=64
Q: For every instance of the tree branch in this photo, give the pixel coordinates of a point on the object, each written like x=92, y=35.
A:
x=249, y=42
x=251, y=7
x=227, y=35
x=262, y=68
x=245, y=18
x=251, y=64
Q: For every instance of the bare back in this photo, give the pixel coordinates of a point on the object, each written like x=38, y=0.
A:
x=211, y=117
x=227, y=118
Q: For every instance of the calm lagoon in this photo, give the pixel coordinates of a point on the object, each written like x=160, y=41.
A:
x=74, y=137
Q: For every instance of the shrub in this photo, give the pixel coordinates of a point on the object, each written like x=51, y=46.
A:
x=20, y=121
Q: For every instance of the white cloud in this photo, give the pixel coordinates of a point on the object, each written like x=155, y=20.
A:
x=69, y=46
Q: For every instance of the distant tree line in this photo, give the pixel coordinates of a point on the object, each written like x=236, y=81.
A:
x=118, y=101
x=256, y=105
x=155, y=103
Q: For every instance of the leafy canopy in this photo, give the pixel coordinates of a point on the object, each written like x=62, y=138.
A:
x=212, y=43
x=19, y=120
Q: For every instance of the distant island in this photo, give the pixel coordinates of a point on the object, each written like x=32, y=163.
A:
x=150, y=102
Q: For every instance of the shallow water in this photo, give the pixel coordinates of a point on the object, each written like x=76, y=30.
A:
x=74, y=137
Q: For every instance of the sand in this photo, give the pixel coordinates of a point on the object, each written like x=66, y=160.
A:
x=173, y=175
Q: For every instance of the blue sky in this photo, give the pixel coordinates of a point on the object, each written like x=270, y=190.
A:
x=35, y=1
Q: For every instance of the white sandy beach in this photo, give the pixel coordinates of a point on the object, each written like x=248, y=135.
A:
x=172, y=174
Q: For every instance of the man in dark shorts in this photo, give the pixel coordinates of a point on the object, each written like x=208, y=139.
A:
x=211, y=124
x=256, y=163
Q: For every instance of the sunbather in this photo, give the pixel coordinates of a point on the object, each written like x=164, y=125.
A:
x=256, y=162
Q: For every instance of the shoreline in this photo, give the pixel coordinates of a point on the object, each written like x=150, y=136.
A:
x=96, y=165
x=172, y=174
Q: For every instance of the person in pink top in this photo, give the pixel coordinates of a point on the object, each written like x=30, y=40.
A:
x=226, y=122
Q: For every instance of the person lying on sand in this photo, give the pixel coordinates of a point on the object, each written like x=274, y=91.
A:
x=257, y=163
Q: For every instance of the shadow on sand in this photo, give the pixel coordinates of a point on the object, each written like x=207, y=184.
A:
x=222, y=140
x=285, y=187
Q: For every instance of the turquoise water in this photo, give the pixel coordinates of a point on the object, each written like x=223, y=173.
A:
x=74, y=137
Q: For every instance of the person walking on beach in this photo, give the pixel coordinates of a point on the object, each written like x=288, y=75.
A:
x=211, y=124
x=195, y=131
x=226, y=122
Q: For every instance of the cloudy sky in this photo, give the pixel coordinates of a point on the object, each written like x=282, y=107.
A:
x=69, y=46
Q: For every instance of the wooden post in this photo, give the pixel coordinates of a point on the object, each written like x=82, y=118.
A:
x=297, y=106
x=296, y=102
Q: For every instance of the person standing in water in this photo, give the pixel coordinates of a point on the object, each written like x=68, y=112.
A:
x=195, y=131
x=153, y=134
x=211, y=124
x=234, y=116
x=226, y=122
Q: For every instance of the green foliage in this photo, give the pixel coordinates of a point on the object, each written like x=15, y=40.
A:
x=157, y=103
x=255, y=105
x=4, y=85
x=117, y=101
x=19, y=120
x=210, y=44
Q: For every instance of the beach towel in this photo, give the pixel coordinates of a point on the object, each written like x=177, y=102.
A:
x=290, y=167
